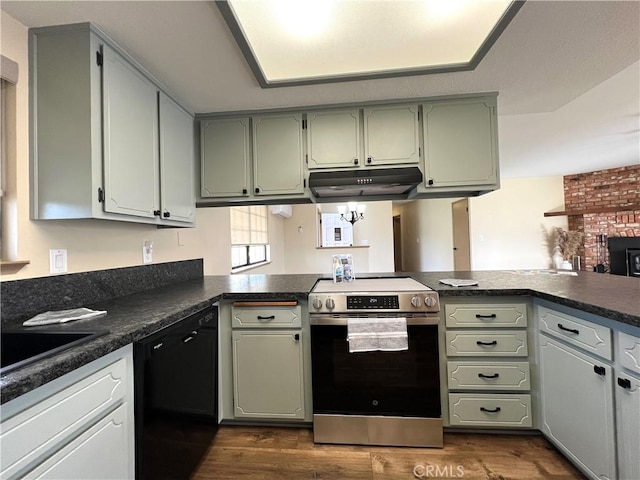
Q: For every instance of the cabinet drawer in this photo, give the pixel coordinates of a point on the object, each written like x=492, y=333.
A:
x=629, y=351
x=483, y=316
x=96, y=453
x=31, y=433
x=487, y=343
x=489, y=375
x=490, y=410
x=266, y=316
x=589, y=336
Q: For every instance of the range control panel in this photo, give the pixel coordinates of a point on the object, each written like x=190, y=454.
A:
x=405, y=302
x=373, y=302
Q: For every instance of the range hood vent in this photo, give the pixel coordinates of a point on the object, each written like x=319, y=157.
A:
x=383, y=182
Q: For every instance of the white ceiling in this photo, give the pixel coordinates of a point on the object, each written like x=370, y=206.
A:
x=329, y=38
x=567, y=74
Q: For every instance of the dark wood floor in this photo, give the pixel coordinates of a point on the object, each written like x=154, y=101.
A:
x=268, y=453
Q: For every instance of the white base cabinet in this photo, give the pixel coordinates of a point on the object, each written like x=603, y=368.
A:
x=79, y=426
x=487, y=364
x=265, y=362
x=577, y=406
x=268, y=374
x=627, y=390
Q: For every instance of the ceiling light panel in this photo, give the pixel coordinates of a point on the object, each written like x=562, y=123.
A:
x=306, y=39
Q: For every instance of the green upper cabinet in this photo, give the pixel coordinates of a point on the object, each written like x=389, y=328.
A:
x=461, y=145
x=107, y=141
x=277, y=154
x=130, y=138
x=391, y=135
x=333, y=139
x=177, y=196
x=225, y=157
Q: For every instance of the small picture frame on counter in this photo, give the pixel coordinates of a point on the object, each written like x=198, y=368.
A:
x=342, y=268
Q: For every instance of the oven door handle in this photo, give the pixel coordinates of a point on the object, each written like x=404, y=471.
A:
x=341, y=320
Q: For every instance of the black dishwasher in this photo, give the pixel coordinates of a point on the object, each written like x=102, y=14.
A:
x=176, y=396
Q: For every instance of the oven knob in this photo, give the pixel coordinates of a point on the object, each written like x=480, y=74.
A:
x=430, y=301
x=330, y=303
x=317, y=303
x=415, y=301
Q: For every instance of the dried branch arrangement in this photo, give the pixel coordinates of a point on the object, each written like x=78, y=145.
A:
x=568, y=242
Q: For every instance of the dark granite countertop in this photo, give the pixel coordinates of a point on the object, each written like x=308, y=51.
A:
x=131, y=318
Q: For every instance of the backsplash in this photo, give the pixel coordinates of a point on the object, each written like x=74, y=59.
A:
x=22, y=299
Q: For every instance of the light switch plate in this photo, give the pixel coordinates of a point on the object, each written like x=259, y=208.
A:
x=58, y=260
x=147, y=251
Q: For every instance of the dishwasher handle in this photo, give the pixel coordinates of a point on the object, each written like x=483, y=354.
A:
x=190, y=337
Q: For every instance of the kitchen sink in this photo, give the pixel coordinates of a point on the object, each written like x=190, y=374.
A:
x=20, y=348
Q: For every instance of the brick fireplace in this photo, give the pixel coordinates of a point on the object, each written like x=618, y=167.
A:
x=603, y=202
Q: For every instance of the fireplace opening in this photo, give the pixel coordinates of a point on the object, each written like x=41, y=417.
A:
x=624, y=256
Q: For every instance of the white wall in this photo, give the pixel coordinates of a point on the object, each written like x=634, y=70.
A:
x=427, y=235
x=301, y=254
x=507, y=226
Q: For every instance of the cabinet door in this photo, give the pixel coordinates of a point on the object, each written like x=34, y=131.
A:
x=176, y=162
x=460, y=142
x=99, y=452
x=225, y=156
x=391, y=135
x=268, y=374
x=130, y=117
x=333, y=139
x=577, y=406
x=628, y=425
x=277, y=154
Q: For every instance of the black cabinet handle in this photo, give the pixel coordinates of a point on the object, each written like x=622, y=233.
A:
x=158, y=346
x=490, y=410
x=571, y=330
x=245, y=191
x=296, y=337
x=270, y=317
x=430, y=182
x=482, y=375
x=478, y=315
x=624, y=383
x=156, y=213
x=190, y=337
x=356, y=161
x=488, y=344
x=257, y=190
x=369, y=159
x=599, y=370
x=166, y=214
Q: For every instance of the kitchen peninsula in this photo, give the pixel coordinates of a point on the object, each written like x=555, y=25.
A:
x=140, y=301
x=131, y=317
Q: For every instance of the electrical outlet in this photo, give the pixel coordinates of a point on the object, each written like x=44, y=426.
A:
x=147, y=251
x=58, y=260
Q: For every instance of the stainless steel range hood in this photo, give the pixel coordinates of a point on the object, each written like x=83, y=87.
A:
x=383, y=182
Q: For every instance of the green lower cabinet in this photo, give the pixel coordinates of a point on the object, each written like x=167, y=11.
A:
x=268, y=374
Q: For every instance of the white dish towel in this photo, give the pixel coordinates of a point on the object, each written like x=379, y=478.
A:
x=371, y=334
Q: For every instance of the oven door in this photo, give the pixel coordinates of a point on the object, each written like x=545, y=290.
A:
x=402, y=383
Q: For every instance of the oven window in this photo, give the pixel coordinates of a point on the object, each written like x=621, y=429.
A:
x=405, y=383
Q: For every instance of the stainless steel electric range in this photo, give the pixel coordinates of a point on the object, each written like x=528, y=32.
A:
x=378, y=396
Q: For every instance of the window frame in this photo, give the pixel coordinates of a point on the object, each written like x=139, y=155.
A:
x=250, y=250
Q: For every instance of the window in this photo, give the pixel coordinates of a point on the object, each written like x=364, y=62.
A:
x=249, y=236
x=336, y=232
